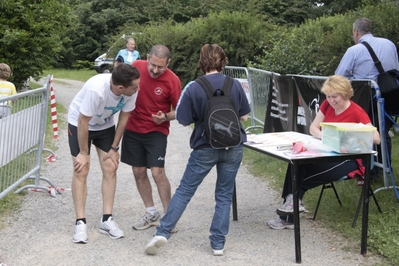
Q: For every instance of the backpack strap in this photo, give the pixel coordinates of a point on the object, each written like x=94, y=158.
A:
x=227, y=85
x=377, y=62
x=210, y=91
x=206, y=85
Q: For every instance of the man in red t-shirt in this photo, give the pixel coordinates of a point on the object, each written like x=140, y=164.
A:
x=144, y=141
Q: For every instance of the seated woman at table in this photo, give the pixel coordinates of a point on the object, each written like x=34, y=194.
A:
x=336, y=108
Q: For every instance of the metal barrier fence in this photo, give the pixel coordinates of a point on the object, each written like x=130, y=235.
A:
x=22, y=135
x=260, y=79
x=255, y=83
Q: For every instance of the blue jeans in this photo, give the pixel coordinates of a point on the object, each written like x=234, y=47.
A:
x=199, y=164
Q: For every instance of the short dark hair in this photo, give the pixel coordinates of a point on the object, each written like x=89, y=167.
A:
x=363, y=25
x=212, y=57
x=124, y=74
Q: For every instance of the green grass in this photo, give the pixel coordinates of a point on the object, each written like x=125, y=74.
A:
x=383, y=233
x=80, y=75
x=8, y=205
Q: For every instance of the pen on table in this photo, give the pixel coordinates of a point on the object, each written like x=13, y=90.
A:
x=284, y=147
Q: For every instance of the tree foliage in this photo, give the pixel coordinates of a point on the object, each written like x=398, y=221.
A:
x=333, y=7
x=29, y=35
x=317, y=46
x=100, y=20
x=293, y=36
x=239, y=33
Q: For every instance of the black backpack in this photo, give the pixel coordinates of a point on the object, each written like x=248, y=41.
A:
x=221, y=119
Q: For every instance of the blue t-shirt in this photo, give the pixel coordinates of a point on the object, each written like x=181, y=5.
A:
x=192, y=102
x=124, y=53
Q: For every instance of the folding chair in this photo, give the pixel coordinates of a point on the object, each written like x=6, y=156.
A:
x=331, y=185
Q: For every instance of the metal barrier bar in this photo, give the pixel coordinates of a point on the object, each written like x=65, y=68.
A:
x=22, y=135
x=256, y=84
x=261, y=81
x=241, y=74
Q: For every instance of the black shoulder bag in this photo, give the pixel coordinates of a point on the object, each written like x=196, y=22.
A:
x=387, y=81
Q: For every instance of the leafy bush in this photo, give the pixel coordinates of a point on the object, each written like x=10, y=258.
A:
x=83, y=64
x=29, y=38
x=238, y=33
x=317, y=46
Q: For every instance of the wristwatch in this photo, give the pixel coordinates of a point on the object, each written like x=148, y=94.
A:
x=115, y=148
x=166, y=117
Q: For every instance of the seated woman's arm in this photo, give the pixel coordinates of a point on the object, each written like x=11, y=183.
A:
x=315, y=128
x=376, y=137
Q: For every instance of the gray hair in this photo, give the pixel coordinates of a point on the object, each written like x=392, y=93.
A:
x=129, y=39
x=363, y=25
x=160, y=51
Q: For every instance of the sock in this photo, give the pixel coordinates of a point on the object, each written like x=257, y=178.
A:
x=151, y=210
x=81, y=219
x=106, y=216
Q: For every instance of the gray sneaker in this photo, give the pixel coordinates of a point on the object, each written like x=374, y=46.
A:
x=147, y=221
x=110, y=228
x=288, y=206
x=80, y=235
x=279, y=224
x=155, y=243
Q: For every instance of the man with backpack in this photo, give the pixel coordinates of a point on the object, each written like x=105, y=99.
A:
x=209, y=146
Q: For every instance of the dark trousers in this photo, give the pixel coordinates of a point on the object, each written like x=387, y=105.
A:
x=313, y=175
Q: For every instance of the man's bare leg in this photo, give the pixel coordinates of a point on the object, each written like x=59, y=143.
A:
x=163, y=185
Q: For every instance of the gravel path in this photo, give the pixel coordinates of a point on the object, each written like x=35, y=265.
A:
x=40, y=233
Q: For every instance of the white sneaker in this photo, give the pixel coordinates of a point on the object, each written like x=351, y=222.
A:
x=80, y=235
x=110, y=228
x=217, y=252
x=155, y=243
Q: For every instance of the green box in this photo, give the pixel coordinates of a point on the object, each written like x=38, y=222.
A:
x=348, y=137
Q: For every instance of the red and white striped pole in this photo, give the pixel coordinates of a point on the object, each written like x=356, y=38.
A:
x=53, y=109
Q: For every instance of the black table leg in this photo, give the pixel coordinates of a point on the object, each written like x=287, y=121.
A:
x=365, y=198
x=297, y=230
x=235, y=214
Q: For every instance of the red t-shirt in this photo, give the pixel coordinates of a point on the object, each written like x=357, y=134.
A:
x=353, y=114
x=155, y=95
